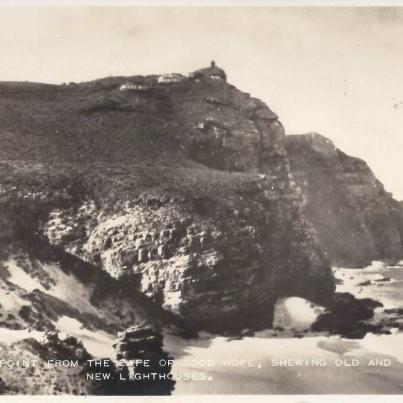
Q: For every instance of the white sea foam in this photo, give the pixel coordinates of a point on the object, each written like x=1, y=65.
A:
x=97, y=343
x=296, y=313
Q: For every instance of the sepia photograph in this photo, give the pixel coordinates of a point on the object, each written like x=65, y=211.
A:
x=201, y=200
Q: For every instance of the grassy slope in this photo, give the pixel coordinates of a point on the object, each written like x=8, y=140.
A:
x=112, y=141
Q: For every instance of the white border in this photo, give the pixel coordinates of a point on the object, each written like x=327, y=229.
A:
x=209, y=3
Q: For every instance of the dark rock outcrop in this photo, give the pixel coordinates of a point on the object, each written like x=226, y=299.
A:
x=53, y=347
x=348, y=316
x=356, y=220
x=144, y=366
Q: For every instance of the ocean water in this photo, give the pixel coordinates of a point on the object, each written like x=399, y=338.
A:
x=276, y=362
x=390, y=293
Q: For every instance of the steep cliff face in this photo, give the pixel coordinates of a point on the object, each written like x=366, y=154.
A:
x=357, y=221
x=180, y=188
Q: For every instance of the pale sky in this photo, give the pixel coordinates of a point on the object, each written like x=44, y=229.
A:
x=336, y=71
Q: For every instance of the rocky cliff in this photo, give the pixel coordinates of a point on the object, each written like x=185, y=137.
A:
x=178, y=189
x=356, y=220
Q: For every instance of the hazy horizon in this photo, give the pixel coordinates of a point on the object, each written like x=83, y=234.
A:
x=335, y=71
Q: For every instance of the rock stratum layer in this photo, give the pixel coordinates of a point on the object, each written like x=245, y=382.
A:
x=356, y=220
x=178, y=189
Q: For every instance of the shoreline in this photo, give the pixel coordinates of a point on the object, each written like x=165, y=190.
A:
x=368, y=365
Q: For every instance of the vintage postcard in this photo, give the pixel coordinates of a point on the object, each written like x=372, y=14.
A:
x=201, y=200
